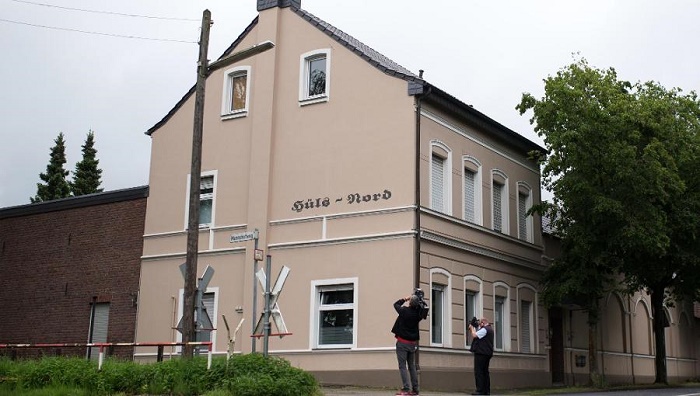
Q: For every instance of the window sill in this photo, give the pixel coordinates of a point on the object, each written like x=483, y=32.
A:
x=232, y=116
x=313, y=100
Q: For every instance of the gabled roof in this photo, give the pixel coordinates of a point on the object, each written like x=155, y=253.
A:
x=378, y=60
x=416, y=85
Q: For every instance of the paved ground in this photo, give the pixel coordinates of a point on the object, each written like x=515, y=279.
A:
x=328, y=391
x=347, y=391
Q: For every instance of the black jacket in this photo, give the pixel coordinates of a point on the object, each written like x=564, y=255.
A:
x=406, y=324
x=483, y=346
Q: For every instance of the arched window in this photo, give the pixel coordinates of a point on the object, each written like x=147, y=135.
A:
x=440, y=307
x=440, y=177
x=499, y=202
x=525, y=223
x=471, y=190
x=473, y=303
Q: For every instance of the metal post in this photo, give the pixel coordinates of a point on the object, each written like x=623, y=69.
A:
x=209, y=357
x=266, y=320
x=101, y=357
x=253, y=340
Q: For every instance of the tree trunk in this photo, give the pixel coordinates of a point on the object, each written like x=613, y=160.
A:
x=657, y=309
x=594, y=377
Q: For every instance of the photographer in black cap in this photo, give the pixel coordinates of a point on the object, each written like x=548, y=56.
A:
x=482, y=347
x=406, y=332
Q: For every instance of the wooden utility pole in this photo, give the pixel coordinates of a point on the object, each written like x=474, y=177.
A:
x=188, y=321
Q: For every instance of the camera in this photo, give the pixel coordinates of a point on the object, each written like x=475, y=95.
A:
x=421, y=301
x=474, y=322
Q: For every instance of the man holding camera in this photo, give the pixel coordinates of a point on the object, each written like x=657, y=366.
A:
x=482, y=347
x=406, y=332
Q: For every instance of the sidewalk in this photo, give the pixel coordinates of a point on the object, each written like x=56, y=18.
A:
x=345, y=391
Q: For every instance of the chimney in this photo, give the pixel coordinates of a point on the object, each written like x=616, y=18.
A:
x=265, y=4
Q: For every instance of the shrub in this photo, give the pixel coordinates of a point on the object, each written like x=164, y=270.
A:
x=245, y=375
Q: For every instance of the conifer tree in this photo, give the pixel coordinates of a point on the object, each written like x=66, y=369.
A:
x=54, y=184
x=87, y=175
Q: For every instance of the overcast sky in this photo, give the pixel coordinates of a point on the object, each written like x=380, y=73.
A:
x=485, y=53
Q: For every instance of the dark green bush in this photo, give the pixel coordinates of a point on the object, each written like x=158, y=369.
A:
x=244, y=375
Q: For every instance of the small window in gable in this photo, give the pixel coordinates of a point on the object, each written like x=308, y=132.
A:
x=236, y=92
x=314, y=77
x=207, y=199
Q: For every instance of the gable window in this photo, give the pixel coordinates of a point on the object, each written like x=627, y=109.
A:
x=335, y=308
x=524, y=220
x=314, y=77
x=236, y=92
x=440, y=181
x=499, y=202
x=472, y=190
x=206, y=200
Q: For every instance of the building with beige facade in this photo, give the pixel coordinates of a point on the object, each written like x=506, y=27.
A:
x=365, y=181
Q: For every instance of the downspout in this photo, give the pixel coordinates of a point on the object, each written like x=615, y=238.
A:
x=93, y=306
x=416, y=199
x=416, y=253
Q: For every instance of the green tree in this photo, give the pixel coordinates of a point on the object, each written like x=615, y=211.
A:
x=54, y=184
x=623, y=167
x=87, y=174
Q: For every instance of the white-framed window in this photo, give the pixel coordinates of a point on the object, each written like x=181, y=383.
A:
x=501, y=316
x=527, y=315
x=498, y=319
x=525, y=222
x=473, y=303
x=499, y=201
x=207, y=199
x=471, y=190
x=334, y=319
x=236, y=92
x=314, y=76
x=440, y=177
x=210, y=301
x=440, y=303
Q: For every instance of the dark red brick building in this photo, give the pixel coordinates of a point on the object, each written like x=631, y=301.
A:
x=69, y=270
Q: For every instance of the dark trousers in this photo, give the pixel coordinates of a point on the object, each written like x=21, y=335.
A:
x=481, y=373
x=406, y=356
